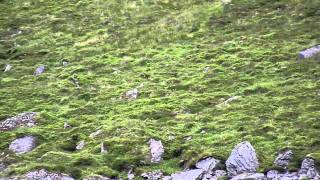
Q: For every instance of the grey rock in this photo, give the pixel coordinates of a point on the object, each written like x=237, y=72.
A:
x=80, y=145
x=193, y=174
x=218, y=174
x=103, y=148
x=23, y=145
x=39, y=70
x=308, y=169
x=132, y=94
x=311, y=52
x=43, y=174
x=7, y=68
x=243, y=159
x=65, y=63
x=25, y=119
x=283, y=159
x=156, y=150
x=250, y=176
x=2, y=167
x=276, y=175
x=155, y=175
x=228, y=101
x=208, y=164
x=95, y=134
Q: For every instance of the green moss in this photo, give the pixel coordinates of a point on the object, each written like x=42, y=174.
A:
x=250, y=48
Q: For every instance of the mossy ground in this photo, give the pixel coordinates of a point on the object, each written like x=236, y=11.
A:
x=250, y=47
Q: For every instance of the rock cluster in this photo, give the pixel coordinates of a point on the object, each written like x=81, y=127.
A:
x=25, y=119
x=242, y=164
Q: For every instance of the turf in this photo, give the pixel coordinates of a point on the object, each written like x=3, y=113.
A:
x=190, y=55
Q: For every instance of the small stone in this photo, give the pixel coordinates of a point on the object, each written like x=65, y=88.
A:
x=250, y=176
x=66, y=125
x=95, y=134
x=7, y=68
x=2, y=167
x=228, y=101
x=43, y=174
x=308, y=169
x=103, y=148
x=23, y=145
x=130, y=175
x=97, y=178
x=156, y=150
x=208, y=164
x=155, y=175
x=206, y=69
x=194, y=174
x=80, y=145
x=243, y=159
x=283, y=159
x=171, y=137
x=65, y=63
x=25, y=119
x=311, y=52
x=39, y=70
x=132, y=94
x=188, y=138
x=218, y=174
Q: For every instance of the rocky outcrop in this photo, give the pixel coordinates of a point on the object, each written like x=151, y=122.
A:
x=308, y=169
x=39, y=70
x=155, y=175
x=243, y=159
x=250, y=176
x=45, y=175
x=283, y=159
x=23, y=145
x=25, y=119
x=156, y=150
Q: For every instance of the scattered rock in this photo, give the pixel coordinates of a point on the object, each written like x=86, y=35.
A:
x=309, y=53
x=23, y=145
x=228, y=101
x=66, y=125
x=193, y=174
x=25, y=119
x=155, y=175
x=156, y=150
x=218, y=174
x=308, y=169
x=80, y=145
x=208, y=164
x=250, y=176
x=283, y=159
x=65, y=63
x=45, y=175
x=132, y=94
x=7, y=68
x=95, y=134
x=243, y=159
x=103, y=148
x=39, y=70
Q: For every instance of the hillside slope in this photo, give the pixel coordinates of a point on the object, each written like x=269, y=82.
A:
x=186, y=57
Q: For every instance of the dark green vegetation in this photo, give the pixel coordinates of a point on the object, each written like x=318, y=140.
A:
x=250, y=47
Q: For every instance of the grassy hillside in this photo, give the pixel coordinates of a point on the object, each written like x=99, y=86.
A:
x=190, y=56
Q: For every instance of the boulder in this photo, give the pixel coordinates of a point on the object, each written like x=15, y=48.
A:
x=208, y=164
x=39, y=70
x=155, y=175
x=243, y=159
x=43, y=174
x=250, y=176
x=23, y=145
x=193, y=174
x=156, y=150
x=283, y=159
x=308, y=169
x=25, y=119
x=310, y=52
